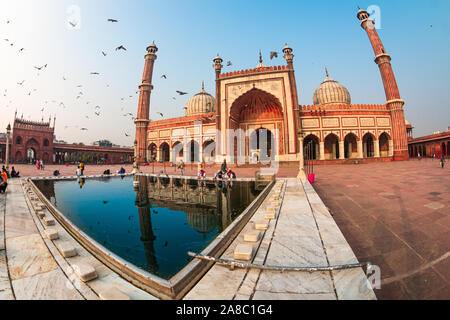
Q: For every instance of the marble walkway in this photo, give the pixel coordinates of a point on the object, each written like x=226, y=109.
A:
x=302, y=234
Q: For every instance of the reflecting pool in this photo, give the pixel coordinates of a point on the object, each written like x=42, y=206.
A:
x=151, y=226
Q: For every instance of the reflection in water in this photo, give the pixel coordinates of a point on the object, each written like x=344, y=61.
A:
x=154, y=226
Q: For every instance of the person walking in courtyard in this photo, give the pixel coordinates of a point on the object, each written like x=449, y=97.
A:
x=81, y=167
x=442, y=162
x=181, y=167
x=224, y=166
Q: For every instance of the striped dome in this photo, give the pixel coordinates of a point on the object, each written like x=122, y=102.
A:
x=201, y=103
x=203, y=223
x=331, y=92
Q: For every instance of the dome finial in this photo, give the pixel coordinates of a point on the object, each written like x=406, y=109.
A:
x=260, y=57
x=326, y=72
x=203, y=85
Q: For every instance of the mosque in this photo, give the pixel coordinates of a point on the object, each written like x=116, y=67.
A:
x=254, y=117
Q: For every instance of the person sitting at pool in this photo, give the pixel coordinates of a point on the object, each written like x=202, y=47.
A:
x=3, y=184
x=231, y=174
x=219, y=175
x=202, y=174
x=121, y=171
x=14, y=173
x=56, y=173
x=107, y=172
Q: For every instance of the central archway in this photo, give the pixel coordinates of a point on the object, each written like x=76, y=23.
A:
x=258, y=115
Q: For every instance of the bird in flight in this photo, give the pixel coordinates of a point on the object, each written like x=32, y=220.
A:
x=121, y=48
x=73, y=24
x=104, y=54
x=97, y=114
x=21, y=49
x=273, y=54
x=84, y=129
x=21, y=83
x=95, y=73
x=40, y=68
x=160, y=114
x=127, y=135
x=79, y=86
x=181, y=93
x=164, y=76
x=229, y=63
x=97, y=107
x=64, y=78
x=113, y=20
x=128, y=114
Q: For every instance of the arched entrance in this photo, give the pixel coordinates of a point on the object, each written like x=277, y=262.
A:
x=444, y=149
x=351, y=146
x=177, y=151
x=384, y=145
x=331, y=147
x=18, y=157
x=261, y=142
x=151, y=155
x=311, y=148
x=209, y=151
x=193, y=151
x=259, y=116
x=31, y=155
x=368, y=146
x=164, y=152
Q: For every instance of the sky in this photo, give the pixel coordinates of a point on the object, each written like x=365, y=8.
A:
x=189, y=34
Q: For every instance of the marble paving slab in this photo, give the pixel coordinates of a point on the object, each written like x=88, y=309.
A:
x=52, y=285
x=27, y=256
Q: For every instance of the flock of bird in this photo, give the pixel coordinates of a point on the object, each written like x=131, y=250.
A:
x=97, y=110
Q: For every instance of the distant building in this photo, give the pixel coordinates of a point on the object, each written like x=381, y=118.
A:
x=437, y=144
x=32, y=140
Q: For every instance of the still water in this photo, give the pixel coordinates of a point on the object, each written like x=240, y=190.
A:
x=154, y=225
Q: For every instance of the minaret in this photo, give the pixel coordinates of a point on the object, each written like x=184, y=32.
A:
x=218, y=68
x=142, y=118
x=394, y=102
x=289, y=56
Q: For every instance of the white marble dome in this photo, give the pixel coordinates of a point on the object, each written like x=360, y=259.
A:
x=201, y=103
x=331, y=92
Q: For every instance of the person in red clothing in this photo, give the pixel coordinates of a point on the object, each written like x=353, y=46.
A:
x=3, y=181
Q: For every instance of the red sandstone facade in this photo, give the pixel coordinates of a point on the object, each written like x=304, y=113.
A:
x=35, y=140
x=248, y=102
x=433, y=145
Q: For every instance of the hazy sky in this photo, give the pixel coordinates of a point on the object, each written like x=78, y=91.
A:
x=189, y=34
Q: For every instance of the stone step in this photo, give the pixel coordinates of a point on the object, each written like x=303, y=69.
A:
x=51, y=234
x=252, y=236
x=270, y=215
x=243, y=252
x=85, y=272
x=271, y=209
x=49, y=221
x=66, y=249
x=275, y=203
x=112, y=293
x=40, y=213
x=261, y=225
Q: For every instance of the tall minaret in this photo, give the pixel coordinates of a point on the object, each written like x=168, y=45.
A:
x=142, y=118
x=218, y=69
x=394, y=102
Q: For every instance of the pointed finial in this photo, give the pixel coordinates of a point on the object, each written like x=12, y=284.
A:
x=203, y=85
x=326, y=72
x=260, y=57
